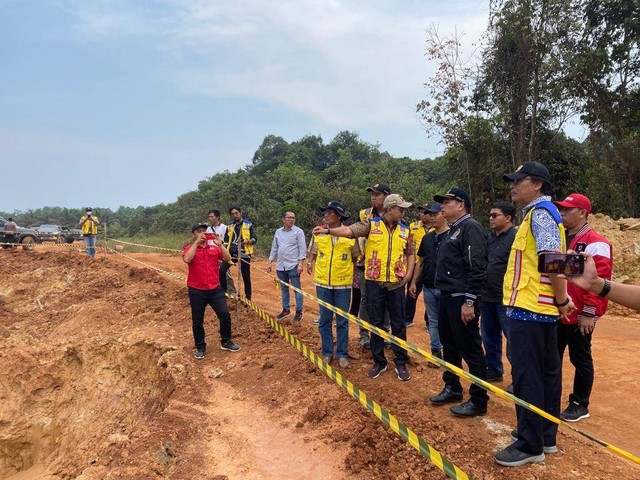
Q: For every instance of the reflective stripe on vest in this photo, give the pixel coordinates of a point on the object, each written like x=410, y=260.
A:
x=89, y=228
x=334, y=265
x=524, y=286
x=384, y=252
x=245, y=232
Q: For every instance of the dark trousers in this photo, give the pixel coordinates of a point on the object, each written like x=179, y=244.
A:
x=410, y=305
x=245, y=268
x=380, y=300
x=355, y=301
x=462, y=341
x=580, y=356
x=537, y=379
x=199, y=300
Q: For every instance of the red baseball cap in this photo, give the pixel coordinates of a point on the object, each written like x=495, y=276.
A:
x=576, y=200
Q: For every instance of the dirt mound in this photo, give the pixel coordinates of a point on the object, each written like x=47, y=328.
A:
x=97, y=381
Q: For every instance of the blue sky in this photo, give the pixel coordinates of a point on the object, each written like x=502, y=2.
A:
x=110, y=103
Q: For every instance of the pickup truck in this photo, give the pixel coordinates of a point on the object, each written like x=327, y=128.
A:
x=24, y=236
x=58, y=234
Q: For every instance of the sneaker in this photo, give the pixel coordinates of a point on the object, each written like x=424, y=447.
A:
x=409, y=324
x=229, y=345
x=283, y=314
x=468, y=409
x=574, y=412
x=435, y=353
x=447, y=395
x=199, y=354
x=512, y=457
x=316, y=321
x=297, y=317
x=327, y=360
x=343, y=362
x=493, y=376
x=364, y=340
x=376, y=370
x=548, y=449
x=402, y=372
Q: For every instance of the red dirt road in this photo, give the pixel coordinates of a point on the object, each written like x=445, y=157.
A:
x=74, y=328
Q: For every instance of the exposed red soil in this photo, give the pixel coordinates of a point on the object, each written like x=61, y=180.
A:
x=98, y=381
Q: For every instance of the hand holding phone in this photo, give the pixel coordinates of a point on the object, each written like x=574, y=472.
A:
x=568, y=264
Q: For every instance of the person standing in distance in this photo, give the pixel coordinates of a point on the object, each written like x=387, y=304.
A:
x=216, y=226
x=89, y=226
x=418, y=229
x=288, y=250
x=240, y=239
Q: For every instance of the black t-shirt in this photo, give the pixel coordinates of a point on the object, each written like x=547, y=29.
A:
x=428, y=251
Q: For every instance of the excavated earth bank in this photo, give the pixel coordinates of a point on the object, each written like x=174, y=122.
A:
x=97, y=381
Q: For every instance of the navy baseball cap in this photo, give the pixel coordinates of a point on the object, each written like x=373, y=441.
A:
x=455, y=194
x=380, y=188
x=528, y=168
x=336, y=206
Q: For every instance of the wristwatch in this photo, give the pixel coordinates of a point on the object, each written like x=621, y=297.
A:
x=468, y=302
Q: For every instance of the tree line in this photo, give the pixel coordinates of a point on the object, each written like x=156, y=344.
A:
x=541, y=63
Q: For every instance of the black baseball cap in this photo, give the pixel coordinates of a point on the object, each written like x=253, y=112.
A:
x=528, y=168
x=198, y=225
x=338, y=207
x=455, y=194
x=434, y=207
x=380, y=188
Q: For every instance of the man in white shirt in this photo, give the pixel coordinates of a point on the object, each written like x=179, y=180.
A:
x=216, y=226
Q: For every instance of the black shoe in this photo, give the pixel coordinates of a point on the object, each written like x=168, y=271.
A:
x=376, y=370
x=435, y=353
x=365, y=342
x=548, y=449
x=468, y=409
x=387, y=344
x=283, y=314
x=229, y=345
x=509, y=388
x=512, y=457
x=402, y=372
x=447, y=395
x=297, y=317
x=409, y=324
x=199, y=354
x=493, y=376
x=574, y=412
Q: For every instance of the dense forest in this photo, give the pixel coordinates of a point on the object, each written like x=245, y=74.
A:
x=541, y=64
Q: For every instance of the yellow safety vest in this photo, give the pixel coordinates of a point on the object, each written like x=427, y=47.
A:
x=524, y=286
x=384, y=252
x=89, y=228
x=246, y=235
x=418, y=231
x=334, y=265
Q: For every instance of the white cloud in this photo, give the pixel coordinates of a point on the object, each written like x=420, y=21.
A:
x=345, y=64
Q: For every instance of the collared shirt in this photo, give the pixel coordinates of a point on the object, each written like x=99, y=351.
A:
x=288, y=247
x=543, y=226
x=498, y=250
x=203, y=269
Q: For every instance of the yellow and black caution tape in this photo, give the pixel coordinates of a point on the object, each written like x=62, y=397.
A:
x=381, y=413
x=166, y=272
x=460, y=372
x=172, y=250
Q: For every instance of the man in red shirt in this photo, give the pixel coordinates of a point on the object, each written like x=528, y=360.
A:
x=575, y=330
x=204, y=287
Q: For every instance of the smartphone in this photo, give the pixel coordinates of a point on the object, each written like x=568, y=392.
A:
x=209, y=236
x=571, y=265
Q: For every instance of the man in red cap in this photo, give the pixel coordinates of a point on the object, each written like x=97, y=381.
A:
x=574, y=331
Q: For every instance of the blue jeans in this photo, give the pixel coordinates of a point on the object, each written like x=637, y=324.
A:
x=339, y=298
x=432, y=305
x=290, y=276
x=493, y=323
x=90, y=244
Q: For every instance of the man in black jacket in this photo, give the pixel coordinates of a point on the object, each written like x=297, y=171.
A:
x=460, y=275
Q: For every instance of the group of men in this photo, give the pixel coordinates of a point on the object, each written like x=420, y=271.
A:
x=476, y=288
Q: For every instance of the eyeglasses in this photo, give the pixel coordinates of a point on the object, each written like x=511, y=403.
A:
x=520, y=180
x=496, y=215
